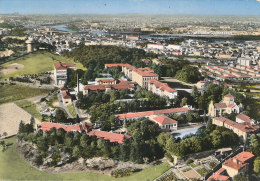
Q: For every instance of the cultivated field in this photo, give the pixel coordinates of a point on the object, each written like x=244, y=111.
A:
x=11, y=68
x=34, y=63
x=12, y=167
x=10, y=93
x=30, y=107
x=10, y=117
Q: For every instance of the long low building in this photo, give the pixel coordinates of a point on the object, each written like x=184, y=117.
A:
x=123, y=85
x=241, y=129
x=147, y=114
x=47, y=126
x=111, y=137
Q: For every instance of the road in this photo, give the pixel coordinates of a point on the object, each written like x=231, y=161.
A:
x=76, y=109
x=170, y=79
x=61, y=105
x=44, y=86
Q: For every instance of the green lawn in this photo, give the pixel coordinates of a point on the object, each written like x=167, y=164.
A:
x=37, y=62
x=30, y=107
x=12, y=167
x=10, y=93
x=72, y=110
x=202, y=171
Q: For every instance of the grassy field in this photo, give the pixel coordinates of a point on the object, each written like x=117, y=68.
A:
x=12, y=167
x=30, y=107
x=10, y=93
x=72, y=110
x=37, y=62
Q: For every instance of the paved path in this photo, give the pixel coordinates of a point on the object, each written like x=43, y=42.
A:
x=43, y=86
x=170, y=79
x=61, y=105
x=76, y=109
x=187, y=90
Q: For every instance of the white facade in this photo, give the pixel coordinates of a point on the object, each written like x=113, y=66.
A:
x=60, y=76
x=155, y=46
x=174, y=47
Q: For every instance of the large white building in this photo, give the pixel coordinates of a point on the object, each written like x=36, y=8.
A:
x=60, y=72
x=155, y=46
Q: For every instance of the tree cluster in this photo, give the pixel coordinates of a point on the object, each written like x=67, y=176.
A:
x=188, y=74
x=102, y=106
x=142, y=147
x=205, y=139
x=95, y=57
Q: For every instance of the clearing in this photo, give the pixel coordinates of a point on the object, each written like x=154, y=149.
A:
x=30, y=107
x=10, y=161
x=11, y=68
x=34, y=63
x=11, y=93
x=10, y=117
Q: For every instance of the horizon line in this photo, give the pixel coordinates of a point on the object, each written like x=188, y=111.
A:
x=17, y=13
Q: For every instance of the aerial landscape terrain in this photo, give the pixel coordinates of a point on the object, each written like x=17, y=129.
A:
x=130, y=90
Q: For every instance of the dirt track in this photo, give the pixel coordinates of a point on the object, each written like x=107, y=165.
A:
x=10, y=117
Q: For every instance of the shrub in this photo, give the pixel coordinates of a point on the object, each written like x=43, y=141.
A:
x=124, y=172
x=169, y=157
x=189, y=161
x=212, y=165
x=202, y=171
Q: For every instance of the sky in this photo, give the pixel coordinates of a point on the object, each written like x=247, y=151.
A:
x=200, y=7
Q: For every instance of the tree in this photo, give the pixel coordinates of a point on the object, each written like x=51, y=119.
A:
x=56, y=157
x=60, y=116
x=42, y=144
x=21, y=127
x=32, y=121
x=163, y=138
x=216, y=138
x=184, y=101
x=241, y=177
x=188, y=74
x=76, y=152
x=257, y=165
x=68, y=141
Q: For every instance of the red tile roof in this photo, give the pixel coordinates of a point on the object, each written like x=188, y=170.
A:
x=66, y=95
x=112, y=137
x=63, y=88
x=63, y=66
x=145, y=60
x=244, y=156
x=203, y=81
x=146, y=72
x=106, y=80
x=220, y=105
x=231, y=105
x=229, y=95
x=163, y=120
x=244, y=118
x=220, y=171
x=239, y=161
x=47, y=126
x=162, y=86
x=121, y=86
x=114, y=65
x=150, y=113
x=218, y=177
